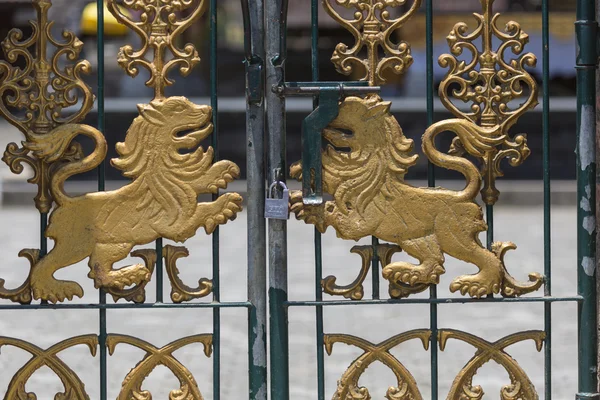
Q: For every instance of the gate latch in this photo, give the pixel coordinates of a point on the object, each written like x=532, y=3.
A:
x=328, y=96
x=277, y=208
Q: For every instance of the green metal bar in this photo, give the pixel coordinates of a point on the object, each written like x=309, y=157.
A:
x=489, y=217
x=101, y=187
x=159, y=270
x=253, y=17
x=433, y=312
x=547, y=200
x=120, y=306
x=275, y=48
x=43, y=239
x=451, y=300
x=215, y=236
x=314, y=47
x=375, y=269
x=586, y=32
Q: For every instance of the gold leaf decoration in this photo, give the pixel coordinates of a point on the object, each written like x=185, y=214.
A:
x=180, y=292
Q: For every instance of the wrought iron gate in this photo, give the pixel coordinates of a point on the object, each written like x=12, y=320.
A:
x=355, y=184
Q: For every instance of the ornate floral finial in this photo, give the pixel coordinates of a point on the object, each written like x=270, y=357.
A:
x=159, y=26
x=34, y=97
x=372, y=27
x=489, y=80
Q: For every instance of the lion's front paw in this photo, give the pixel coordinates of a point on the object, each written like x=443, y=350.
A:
x=404, y=272
x=230, y=204
x=55, y=291
x=223, y=172
x=478, y=285
x=314, y=215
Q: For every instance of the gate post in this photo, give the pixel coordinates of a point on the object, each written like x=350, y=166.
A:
x=253, y=16
x=586, y=31
x=275, y=48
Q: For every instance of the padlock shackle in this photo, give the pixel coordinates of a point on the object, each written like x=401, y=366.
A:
x=274, y=184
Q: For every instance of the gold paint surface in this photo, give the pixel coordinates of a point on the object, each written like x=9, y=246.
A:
x=160, y=201
x=181, y=292
x=33, y=98
x=364, y=165
x=131, y=387
x=348, y=386
x=74, y=387
x=372, y=28
x=520, y=386
x=489, y=81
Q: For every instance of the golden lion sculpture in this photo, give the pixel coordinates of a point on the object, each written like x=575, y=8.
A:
x=161, y=200
x=364, y=173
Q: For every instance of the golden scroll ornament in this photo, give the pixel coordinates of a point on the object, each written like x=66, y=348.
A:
x=364, y=165
x=74, y=387
x=372, y=27
x=491, y=82
x=181, y=292
x=520, y=386
x=43, y=94
x=348, y=386
x=131, y=387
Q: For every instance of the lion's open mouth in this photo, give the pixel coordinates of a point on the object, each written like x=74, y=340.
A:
x=338, y=140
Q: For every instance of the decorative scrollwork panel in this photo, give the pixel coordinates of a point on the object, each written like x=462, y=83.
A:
x=489, y=80
x=348, y=386
x=132, y=384
x=74, y=387
x=520, y=385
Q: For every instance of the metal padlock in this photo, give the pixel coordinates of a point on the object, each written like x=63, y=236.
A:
x=277, y=208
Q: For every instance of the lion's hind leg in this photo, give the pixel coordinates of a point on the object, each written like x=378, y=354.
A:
x=104, y=256
x=430, y=256
x=43, y=283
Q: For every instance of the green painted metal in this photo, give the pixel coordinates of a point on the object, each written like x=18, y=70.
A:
x=586, y=32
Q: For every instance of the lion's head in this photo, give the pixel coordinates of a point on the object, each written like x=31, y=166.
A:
x=161, y=130
x=366, y=149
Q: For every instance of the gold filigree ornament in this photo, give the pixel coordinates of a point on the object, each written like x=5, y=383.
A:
x=132, y=384
x=364, y=165
x=181, y=292
x=490, y=81
x=74, y=387
x=520, y=386
x=162, y=157
x=41, y=88
x=348, y=386
x=373, y=27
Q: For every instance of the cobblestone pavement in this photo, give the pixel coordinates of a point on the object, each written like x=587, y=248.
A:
x=523, y=225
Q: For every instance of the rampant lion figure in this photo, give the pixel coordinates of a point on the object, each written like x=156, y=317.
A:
x=161, y=200
x=364, y=173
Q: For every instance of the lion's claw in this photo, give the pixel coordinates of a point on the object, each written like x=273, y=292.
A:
x=475, y=285
x=57, y=291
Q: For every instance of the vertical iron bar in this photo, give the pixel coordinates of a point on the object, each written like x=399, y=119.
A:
x=101, y=187
x=547, y=211
x=215, y=236
x=314, y=47
x=159, y=270
x=586, y=32
x=253, y=13
x=375, y=269
x=43, y=239
x=275, y=47
x=489, y=217
x=433, y=315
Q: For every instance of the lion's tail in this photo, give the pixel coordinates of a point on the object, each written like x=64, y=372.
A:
x=468, y=133
x=52, y=146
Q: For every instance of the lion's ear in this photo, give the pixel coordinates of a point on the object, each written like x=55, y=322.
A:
x=382, y=107
x=150, y=114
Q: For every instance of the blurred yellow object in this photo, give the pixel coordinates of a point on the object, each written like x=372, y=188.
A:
x=89, y=22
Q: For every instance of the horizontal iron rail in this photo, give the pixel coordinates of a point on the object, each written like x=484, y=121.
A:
x=233, y=105
x=458, y=300
x=243, y=304
x=314, y=88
